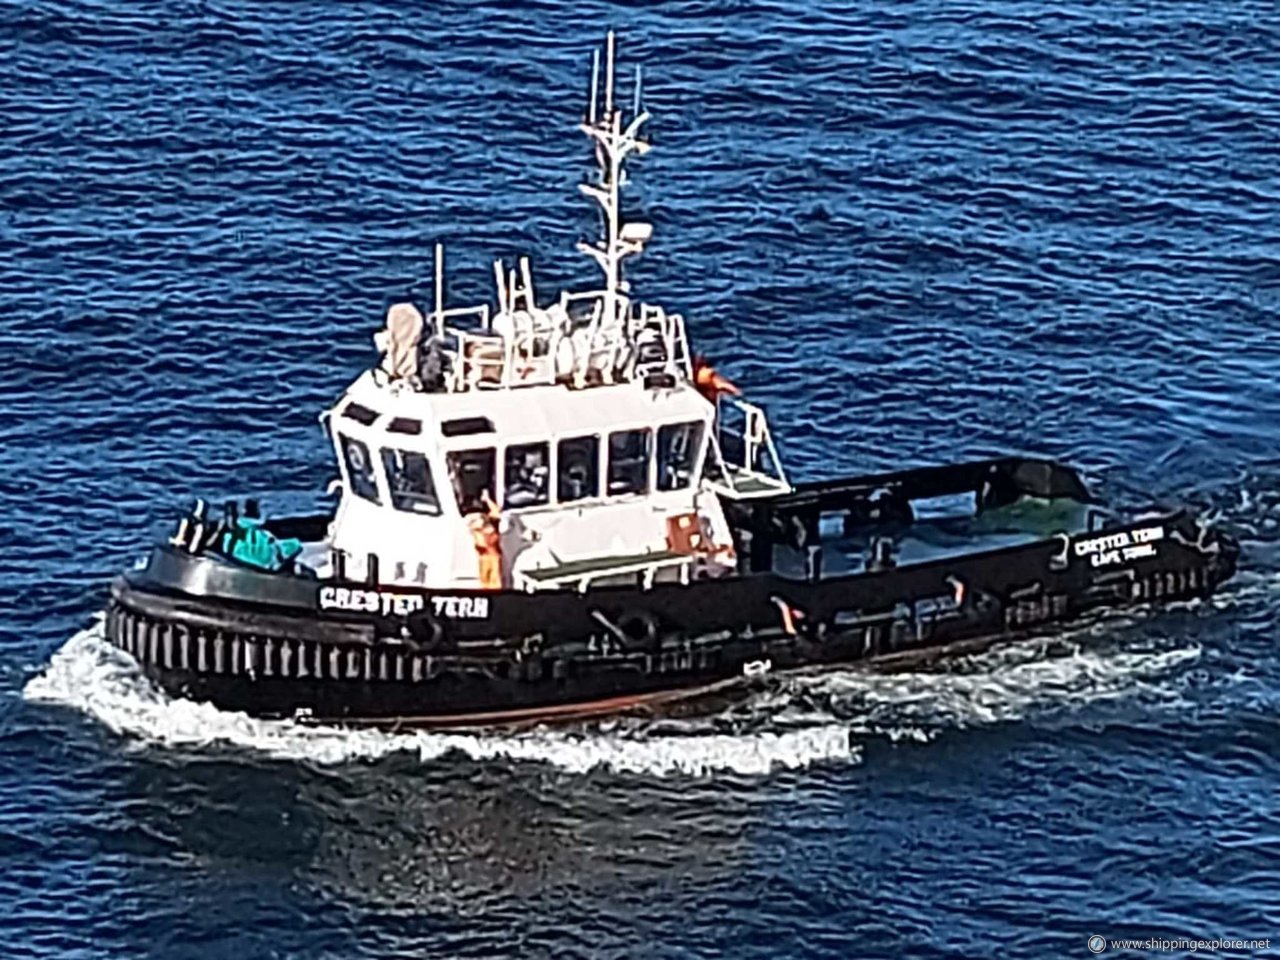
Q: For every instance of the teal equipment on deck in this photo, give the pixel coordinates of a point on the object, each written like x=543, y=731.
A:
x=254, y=546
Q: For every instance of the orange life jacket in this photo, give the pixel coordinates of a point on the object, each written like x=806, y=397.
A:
x=488, y=543
x=484, y=533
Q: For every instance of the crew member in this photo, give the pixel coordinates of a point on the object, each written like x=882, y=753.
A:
x=710, y=383
x=488, y=541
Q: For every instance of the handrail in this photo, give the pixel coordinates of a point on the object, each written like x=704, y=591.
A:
x=747, y=479
x=530, y=345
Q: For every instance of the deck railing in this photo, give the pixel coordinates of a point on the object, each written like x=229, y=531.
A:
x=524, y=348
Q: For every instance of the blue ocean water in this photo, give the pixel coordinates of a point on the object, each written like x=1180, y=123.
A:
x=916, y=231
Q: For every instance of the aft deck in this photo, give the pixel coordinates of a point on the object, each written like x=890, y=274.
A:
x=926, y=539
x=841, y=527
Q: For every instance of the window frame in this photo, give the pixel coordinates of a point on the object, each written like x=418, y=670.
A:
x=547, y=464
x=453, y=474
x=595, y=459
x=359, y=413
x=694, y=463
x=395, y=497
x=370, y=475
x=647, y=474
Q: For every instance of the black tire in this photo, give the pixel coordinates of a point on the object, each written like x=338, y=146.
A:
x=640, y=628
x=427, y=634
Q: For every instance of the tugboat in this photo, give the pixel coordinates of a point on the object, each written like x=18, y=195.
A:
x=553, y=510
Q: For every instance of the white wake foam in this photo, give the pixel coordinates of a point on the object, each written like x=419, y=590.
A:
x=87, y=673
x=801, y=721
x=1004, y=684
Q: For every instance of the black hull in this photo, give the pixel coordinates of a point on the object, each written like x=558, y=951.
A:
x=264, y=644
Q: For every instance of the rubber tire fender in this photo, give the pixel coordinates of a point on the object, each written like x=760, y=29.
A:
x=427, y=634
x=640, y=627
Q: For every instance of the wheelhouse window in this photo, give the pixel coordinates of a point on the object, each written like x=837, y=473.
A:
x=526, y=478
x=629, y=461
x=678, y=448
x=410, y=483
x=360, y=477
x=472, y=474
x=577, y=469
x=359, y=413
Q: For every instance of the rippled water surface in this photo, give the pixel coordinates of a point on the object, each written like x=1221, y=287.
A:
x=917, y=231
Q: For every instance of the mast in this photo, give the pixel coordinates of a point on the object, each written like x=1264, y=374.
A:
x=614, y=142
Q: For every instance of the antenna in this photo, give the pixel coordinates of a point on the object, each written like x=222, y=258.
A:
x=635, y=104
x=526, y=277
x=608, y=74
x=440, y=286
x=615, y=140
x=499, y=281
x=595, y=85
